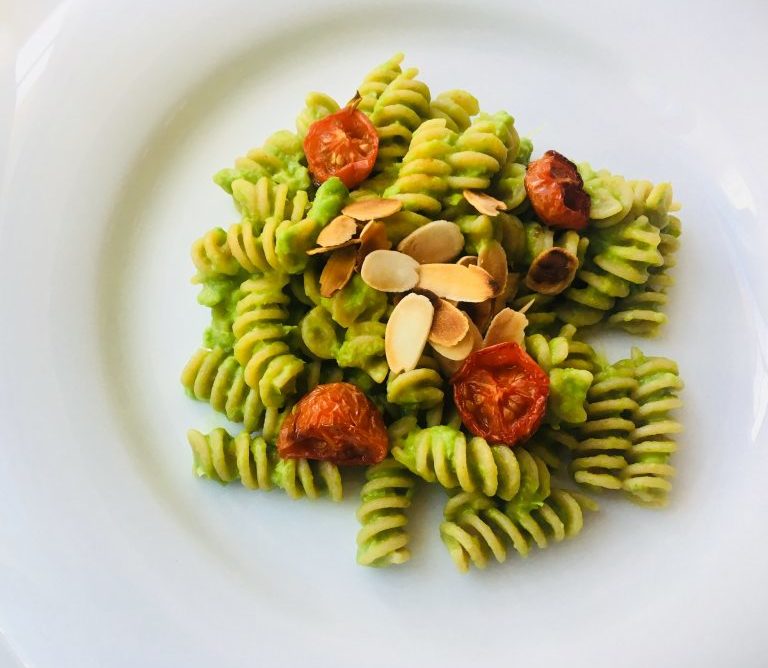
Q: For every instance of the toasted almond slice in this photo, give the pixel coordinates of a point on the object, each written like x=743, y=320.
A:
x=467, y=260
x=527, y=305
x=372, y=209
x=481, y=313
x=493, y=259
x=449, y=326
x=552, y=271
x=507, y=325
x=372, y=237
x=438, y=241
x=483, y=203
x=507, y=293
x=454, y=281
x=407, y=331
x=340, y=230
x=327, y=249
x=471, y=341
x=337, y=271
x=390, y=271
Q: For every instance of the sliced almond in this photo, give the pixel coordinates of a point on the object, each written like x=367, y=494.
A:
x=327, y=249
x=456, y=282
x=459, y=352
x=407, y=331
x=493, y=259
x=372, y=237
x=552, y=271
x=467, y=260
x=372, y=209
x=507, y=325
x=484, y=204
x=507, y=293
x=449, y=326
x=527, y=306
x=390, y=271
x=438, y=241
x=340, y=230
x=337, y=271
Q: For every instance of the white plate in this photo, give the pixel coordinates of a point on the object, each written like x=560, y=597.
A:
x=112, y=554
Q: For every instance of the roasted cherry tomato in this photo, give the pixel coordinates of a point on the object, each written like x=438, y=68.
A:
x=556, y=191
x=344, y=144
x=337, y=423
x=501, y=393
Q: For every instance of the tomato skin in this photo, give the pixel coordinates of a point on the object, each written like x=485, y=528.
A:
x=344, y=144
x=556, y=192
x=335, y=422
x=501, y=394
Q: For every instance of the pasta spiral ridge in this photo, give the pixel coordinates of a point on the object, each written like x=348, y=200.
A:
x=646, y=478
x=316, y=106
x=641, y=311
x=212, y=257
x=376, y=82
x=443, y=454
x=422, y=180
x=456, y=107
x=256, y=464
x=215, y=377
x=399, y=111
x=619, y=257
x=384, y=500
x=599, y=459
x=259, y=328
x=418, y=389
x=477, y=527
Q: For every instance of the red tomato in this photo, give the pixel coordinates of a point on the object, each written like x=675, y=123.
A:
x=337, y=423
x=501, y=393
x=344, y=144
x=556, y=191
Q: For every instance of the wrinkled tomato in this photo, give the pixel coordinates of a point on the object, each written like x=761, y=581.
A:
x=556, y=191
x=501, y=394
x=336, y=423
x=344, y=144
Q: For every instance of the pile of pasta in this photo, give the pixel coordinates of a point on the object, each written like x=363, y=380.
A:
x=273, y=336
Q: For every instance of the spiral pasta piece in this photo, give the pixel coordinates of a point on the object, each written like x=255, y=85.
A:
x=423, y=177
x=619, y=257
x=641, y=311
x=400, y=109
x=259, y=330
x=481, y=151
x=646, y=478
x=316, y=106
x=384, y=500
x=443, y=454
x=477, y=527
x=224, y=458
x=212, y=257
x=599, y=459
x=456, y=108
x=363, y=348
x=376, y=82
x=421, y=388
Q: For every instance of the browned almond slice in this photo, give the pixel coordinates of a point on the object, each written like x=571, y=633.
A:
x=372, y=209
x=390, y=271
x=506, y=295
x=407, y=331
x=484, y=204
x=449, y=326
x=340, y=230
x=507, y=325
x=467, y=260
x=472, y=341
x=552, y=271
x=527, y=305
x=456, y=282
x=337, y=271
x=493, y=259
x=438, y=241
x=327, y=249
x=372, y=237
